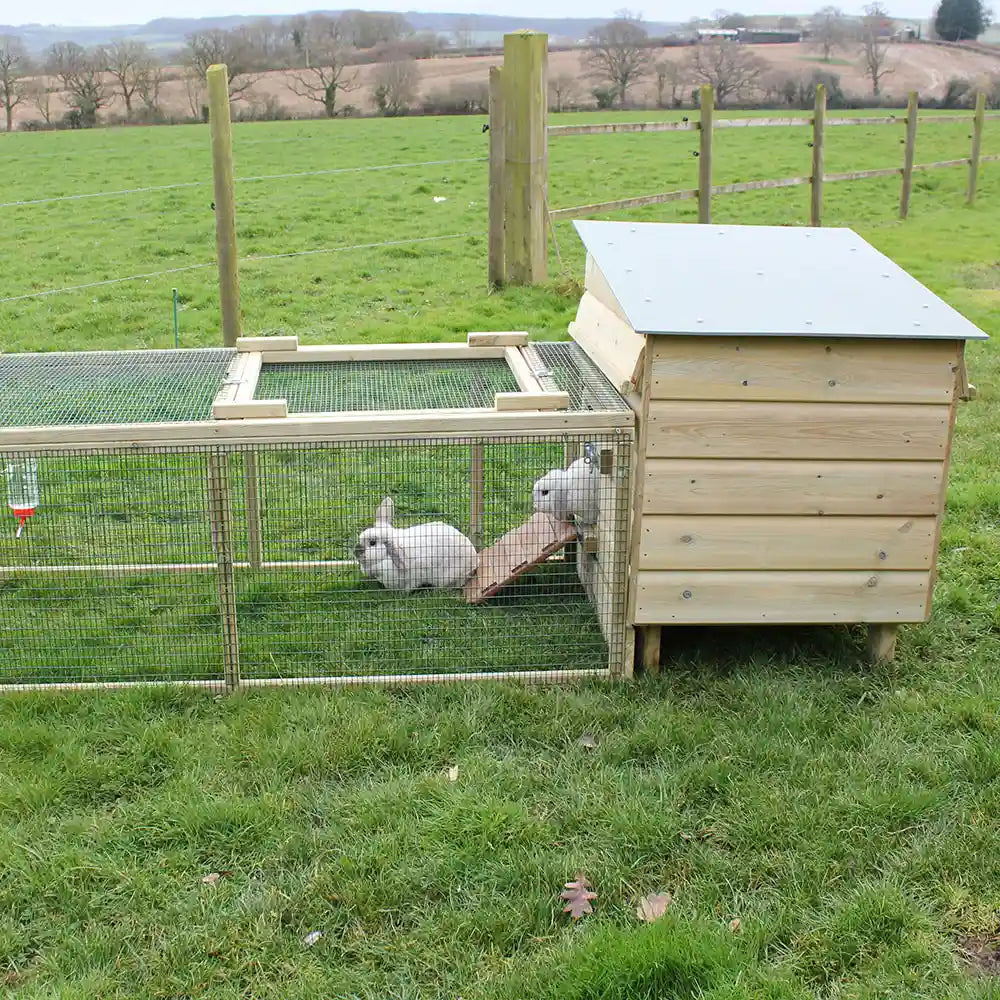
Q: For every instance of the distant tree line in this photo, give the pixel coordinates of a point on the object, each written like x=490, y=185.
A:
x=321, y=55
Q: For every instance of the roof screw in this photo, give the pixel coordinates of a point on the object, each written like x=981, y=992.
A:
x=686, y=595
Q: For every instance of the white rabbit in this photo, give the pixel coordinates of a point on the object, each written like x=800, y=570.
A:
x=433, y=554
x=570, y=493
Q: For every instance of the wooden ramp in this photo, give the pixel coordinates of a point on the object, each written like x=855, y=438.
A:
x=519, y=550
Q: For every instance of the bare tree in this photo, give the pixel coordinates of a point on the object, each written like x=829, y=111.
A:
x=619, y=53
x=128, y=62
x=732, y=70
x=148, y=87
x=875, y=46
x=40, y=96
x=81, y=73
x=462, y=34
x=564, y=89
x=364, y=29
x=669, y=73
x=326, y=73
x=14, y=67
x=194, y=90
x=234, y=48
x=828, y=30
x=395, y=85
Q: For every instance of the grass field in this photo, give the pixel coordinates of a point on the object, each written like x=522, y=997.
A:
x=845, y=815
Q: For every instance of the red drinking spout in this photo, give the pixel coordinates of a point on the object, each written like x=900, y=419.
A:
x=22, y=514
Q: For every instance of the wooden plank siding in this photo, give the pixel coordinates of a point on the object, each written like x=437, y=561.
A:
x=850, y=431
x=804, y=597
x=775, y=369
x=771, y=543
x=748, y=486
x=796, y=480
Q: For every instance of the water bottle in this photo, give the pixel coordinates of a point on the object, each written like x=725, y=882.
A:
x=22, y=490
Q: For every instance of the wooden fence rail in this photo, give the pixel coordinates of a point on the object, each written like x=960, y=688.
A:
x=519, y=186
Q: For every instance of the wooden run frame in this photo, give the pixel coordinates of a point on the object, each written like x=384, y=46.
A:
x=240, y=423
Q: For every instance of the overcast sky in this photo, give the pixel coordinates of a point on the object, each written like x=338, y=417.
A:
x=108, y=12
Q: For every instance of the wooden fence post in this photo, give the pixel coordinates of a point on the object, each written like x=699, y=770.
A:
x=225, y=202
x=705, y=154
x=816, y=181
x=977, y=141
x=526, y=145
x=496, y=212
x=908, y=153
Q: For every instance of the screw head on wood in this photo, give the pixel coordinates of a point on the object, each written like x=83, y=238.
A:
x=686, y=595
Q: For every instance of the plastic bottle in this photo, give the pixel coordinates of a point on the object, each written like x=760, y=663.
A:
x=22, y=490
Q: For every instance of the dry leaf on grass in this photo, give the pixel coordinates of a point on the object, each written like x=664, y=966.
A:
x=311, y=938
x=735, y=924
x=578, y=897
x=213, y=877
x=653, y=906
x=453, y=773
x=588, y=741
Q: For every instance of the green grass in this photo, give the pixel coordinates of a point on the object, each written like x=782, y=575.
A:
x=846, y=815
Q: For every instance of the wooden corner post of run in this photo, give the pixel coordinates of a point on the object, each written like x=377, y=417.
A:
x=496, y=193
x=908, y=154
x=977, y=142
x=816, y=179
x=526, y=155
x=705, y=154
x=225, y=201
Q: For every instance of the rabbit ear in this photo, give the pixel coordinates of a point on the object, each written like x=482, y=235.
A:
x=385, y=511
x=395, y=554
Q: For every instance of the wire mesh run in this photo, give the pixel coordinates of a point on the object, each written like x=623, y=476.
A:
x=568, y=369
x=252, y=565
x=338, y=386
x=110, y=387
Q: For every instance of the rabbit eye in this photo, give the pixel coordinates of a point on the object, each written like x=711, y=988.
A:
x=545, y=493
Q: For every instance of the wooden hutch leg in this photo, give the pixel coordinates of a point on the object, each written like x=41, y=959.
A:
x=882, y=642
x=650, y=646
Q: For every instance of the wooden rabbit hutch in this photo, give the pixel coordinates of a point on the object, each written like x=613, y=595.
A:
x=796, y=394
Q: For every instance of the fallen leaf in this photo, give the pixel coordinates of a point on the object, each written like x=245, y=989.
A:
x=735, y=924
x=653, y=906
x=213, y=877
x=578, y=897
x=311, y=938
x=686, y=836
x=453, y=773
x=588, y=740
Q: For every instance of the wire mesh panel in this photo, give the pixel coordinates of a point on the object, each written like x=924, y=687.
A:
x=113, y=577
x=337, y=386
x=110, y=387
x=253, y=565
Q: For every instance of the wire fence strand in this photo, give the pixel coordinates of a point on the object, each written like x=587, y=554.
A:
x=252, y=258
x=239, y=180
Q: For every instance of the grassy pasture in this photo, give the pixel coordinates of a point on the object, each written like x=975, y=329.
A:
x=845, y=815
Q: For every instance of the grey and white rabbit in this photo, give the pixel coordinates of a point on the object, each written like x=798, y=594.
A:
x=570, y=494
x=427, y=555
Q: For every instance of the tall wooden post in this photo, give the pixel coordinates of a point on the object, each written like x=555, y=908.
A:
x=705, y=154
x=908, y=154
x=977, y=141
x=496, y=203
x=816, y=180
x=225, y=202
x=526, y=154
